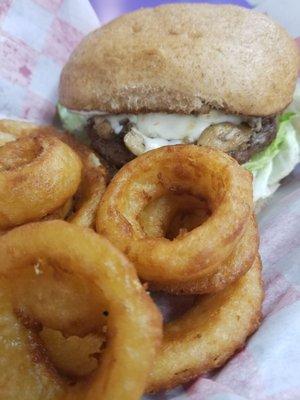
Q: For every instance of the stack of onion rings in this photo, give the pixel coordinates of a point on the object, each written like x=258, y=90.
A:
x=85, y=326
x=37, y=175
x=81, y=204
x=133, y=327
x=198, y=255
x=184, y=216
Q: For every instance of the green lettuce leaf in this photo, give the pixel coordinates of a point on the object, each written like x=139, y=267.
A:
x=73, y=121
x=278, y=159
x=260, y=160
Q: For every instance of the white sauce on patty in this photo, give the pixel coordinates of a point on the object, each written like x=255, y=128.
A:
x=161, y=129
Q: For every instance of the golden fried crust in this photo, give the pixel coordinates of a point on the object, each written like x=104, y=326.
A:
x=238, y=263
x=199, y=171
x=20, y=128
x=26, y=371
x=175, y=58
x=134, y=329
x=82, y=210
x=211, y=332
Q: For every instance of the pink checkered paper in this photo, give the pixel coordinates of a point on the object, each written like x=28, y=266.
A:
x=36, y=38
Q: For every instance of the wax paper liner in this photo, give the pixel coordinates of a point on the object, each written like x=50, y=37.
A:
x=36, y=38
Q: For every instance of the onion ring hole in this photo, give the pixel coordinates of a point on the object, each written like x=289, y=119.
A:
x=173, y=215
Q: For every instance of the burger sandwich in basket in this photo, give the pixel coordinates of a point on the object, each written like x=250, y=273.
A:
x=80, y=256
x=220, y=76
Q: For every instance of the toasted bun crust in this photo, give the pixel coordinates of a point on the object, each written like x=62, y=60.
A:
x=177, y=58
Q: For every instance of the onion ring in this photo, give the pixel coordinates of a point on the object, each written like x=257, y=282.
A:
x=182, y=169
x=171, y=216
x=223, y=274
x=82, y=209
x=93, y=183
x=192, y=344
x=134, y=326
x=209, y=333
x=37, y=175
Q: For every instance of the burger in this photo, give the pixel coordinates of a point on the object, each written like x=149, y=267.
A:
x=211, y=75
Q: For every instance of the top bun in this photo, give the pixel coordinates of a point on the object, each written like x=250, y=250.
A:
x=181, y=58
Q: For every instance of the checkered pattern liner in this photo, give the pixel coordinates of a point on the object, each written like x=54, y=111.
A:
x=36, y=38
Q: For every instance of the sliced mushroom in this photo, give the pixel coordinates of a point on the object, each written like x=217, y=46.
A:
x=134, y=141
x=240, y=141
x=225, y=136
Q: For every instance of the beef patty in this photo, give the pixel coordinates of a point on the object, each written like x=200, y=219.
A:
x=239, y=141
